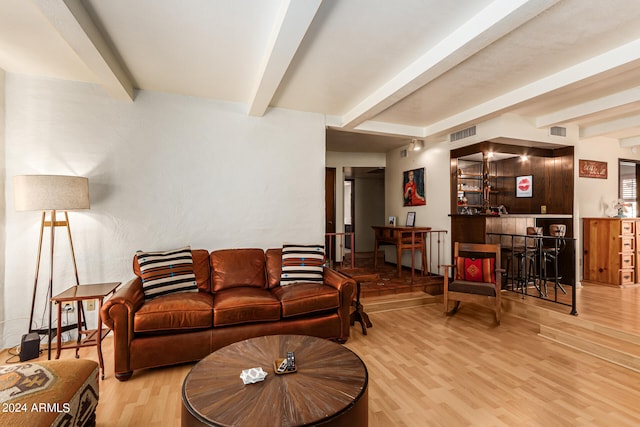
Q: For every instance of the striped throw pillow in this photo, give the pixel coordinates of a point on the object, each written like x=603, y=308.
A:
x=166, y=272
x=302, y=263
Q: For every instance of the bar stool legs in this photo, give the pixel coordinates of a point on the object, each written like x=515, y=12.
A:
x=523, y=261
x=550, y=256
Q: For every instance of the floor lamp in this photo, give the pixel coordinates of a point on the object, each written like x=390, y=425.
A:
x=50, y=193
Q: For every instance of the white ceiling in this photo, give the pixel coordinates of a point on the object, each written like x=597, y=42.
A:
x=410, y=68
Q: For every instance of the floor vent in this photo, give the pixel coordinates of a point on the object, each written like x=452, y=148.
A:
x=461, y=134
x=558, y=131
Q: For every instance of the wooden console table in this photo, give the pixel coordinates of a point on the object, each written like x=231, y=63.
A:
x=404, y=238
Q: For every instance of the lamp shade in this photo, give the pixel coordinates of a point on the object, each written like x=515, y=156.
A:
x=50, y=192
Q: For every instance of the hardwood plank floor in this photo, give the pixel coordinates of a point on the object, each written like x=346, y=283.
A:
x=430, y=370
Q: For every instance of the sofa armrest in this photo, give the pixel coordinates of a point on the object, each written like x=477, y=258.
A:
x=117, y=314
x=130, y=297
x=342, y=283
x=347, y=290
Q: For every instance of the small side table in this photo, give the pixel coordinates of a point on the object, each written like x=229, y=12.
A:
x=359, y=315
x=86, y=337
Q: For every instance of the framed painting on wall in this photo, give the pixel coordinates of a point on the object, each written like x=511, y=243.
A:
x=413, y=187
x=411, y=219
x=524, y=186
x=592, y=169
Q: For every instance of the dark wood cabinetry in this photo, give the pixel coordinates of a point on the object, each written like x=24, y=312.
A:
x=484, y=175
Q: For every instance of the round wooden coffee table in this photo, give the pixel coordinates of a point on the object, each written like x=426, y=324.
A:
x=329, y=387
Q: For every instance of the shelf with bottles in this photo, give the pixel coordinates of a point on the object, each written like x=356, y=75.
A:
x=471, y=189
x=476, y=176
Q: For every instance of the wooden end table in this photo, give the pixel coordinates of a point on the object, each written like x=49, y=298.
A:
x=329, y=387
x=86, y=337
x=358, y=315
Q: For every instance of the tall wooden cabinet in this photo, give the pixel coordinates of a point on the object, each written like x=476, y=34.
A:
x=611, y=251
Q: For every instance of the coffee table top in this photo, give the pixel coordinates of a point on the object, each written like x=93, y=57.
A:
x=330, y=378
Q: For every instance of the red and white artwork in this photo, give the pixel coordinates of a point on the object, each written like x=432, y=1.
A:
x=524, y=186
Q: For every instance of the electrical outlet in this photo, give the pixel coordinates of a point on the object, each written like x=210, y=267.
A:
x=91, y=305
x=67, y=307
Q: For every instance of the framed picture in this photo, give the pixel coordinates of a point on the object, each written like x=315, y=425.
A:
x=411, y=219
x=413, y=187
x=392, y=221
x=592, y=169
x=524, y=186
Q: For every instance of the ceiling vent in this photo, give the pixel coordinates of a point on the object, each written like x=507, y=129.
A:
x=558, y=131
x=403, y=153
x=462, y=134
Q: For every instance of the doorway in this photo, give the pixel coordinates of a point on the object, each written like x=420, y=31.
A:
x=628, y=175
x=364, y=206
x=330, y=210
x=349, y=207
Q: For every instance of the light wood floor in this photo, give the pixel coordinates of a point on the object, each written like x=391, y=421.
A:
x=429, y=370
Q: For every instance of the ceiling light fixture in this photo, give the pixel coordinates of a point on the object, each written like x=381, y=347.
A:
x=524, y=157
x=416, y=145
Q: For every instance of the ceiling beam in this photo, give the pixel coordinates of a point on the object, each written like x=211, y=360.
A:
x=371, y=126
x=607, y=61
x=77, y=28
x=492, y=23
x=630, y=142
x=292, y=23
x=585, y=109
x=610, y=127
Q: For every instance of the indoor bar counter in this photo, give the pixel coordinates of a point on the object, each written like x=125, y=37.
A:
x=474, y=228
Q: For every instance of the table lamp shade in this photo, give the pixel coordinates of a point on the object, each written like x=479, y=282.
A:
x=50, y=192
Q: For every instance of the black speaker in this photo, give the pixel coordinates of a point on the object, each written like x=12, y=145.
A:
x=29, y=346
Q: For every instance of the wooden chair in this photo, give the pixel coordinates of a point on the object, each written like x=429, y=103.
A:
x=477, y=277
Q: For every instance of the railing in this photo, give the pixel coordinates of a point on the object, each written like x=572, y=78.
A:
x=434, y=245
x=427, y=236
x=341, y=239
x=534, y=261
x=439, y=250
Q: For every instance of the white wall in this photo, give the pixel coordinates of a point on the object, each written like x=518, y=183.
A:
x=164, y=171
x=595, y=195
x=435, y=159
x=3, y=203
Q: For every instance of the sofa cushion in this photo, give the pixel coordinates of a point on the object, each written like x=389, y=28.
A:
x=232, y=268
x=201, y=268
x=471, y=287
x=274, y=266
x=175, y=312
x=244, y=305
x=165, y=272
x=305, y=298
x=302, y=263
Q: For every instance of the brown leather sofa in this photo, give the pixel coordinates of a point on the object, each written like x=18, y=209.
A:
x=239, y=296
